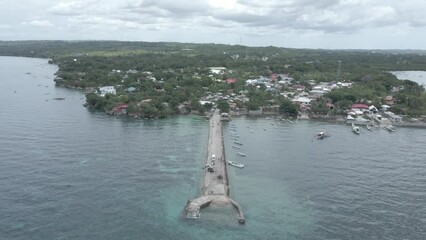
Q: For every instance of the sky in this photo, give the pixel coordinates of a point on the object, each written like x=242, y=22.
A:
x=327, y=24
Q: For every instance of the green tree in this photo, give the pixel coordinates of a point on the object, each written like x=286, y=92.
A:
x=288, y=108
x=223, y=106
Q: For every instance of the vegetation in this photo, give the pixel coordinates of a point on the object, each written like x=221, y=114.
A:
x=159, y=79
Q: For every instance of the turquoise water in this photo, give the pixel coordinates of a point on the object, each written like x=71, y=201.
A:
x=69, y=173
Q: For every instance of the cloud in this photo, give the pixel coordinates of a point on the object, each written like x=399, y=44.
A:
x=96, y=21
x=201, y=19
x=170, y=7
x=5, y=26
x=76, y=7
x=38, y=23
x=326, y=16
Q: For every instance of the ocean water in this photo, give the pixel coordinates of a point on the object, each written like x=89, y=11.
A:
x=416, y=76
x=69, y=173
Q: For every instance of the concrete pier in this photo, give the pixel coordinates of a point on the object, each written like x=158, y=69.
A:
x=215, y=188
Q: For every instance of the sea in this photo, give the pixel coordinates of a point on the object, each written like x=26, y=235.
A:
x=67, y=172
x=415, y=76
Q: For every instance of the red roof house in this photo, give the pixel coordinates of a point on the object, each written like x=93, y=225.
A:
x=231, y=80
x=359, y=106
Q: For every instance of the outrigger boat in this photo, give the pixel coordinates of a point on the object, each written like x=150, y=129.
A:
x=390, y=128
x=356, y=129
x=369, y=127
x=235, y=164
x=322, y=135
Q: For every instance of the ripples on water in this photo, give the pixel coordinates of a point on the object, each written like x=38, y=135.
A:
x=68, y=173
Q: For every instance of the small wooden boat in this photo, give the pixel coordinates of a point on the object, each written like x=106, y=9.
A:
x=390, y=128
x=239, y=143
x=356, y=129
x=235, y=164
x=241, y=154
x=322, y=135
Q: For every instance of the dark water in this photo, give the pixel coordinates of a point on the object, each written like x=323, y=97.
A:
x=68, y=173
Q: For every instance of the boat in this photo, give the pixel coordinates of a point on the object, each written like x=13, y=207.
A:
x=369, y=127
x=235, y=164
x=236, y=147
x=241, y=154
x=359, y=120
x=356, y=129
x=390, y=128
x=322, y=135
x=239, y=143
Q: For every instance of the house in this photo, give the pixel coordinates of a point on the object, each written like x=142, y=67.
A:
x=303, y=101
x=389, y=100
x=373, y=109
x=120, y=109
x=393, y=117
x=385, y=107
x=206, y=102
x=231, y=80
x=359, y=108
x=131, y=89
x=299, y=88
x=273, y=77
x=107, y=90
x=217, y=70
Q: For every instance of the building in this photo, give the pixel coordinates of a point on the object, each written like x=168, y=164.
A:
x=120, y=109
x=303, y=101
x=107, y=90
x=217, y=70
x=231, y=80
x=393, y=117
x=389, y=100
x=360, y=108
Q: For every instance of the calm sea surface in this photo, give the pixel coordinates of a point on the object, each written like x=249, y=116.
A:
x=415, y=76
x=68, y=173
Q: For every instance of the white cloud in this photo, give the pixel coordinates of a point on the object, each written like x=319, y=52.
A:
x=38, y=23
x=4, y=26
x=96, y=21
x=268, y=20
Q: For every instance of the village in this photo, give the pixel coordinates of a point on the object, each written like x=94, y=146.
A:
x=301, y=95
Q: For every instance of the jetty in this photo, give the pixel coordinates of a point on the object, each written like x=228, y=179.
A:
x=215, y=189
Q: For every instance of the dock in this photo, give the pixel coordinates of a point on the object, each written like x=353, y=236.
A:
x=215, y=189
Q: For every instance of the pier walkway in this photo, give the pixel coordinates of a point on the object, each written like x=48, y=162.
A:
x=215, y=188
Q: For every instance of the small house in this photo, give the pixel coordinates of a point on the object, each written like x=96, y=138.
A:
x=231, y=80
x=120, y=109
x=389, y=100
x=359, y=108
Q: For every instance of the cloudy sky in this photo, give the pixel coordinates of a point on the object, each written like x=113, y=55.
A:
x=333, y=24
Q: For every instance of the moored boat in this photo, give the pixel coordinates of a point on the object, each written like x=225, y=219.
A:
x=390, y=128
x=356, y=129
x=236, y=164
x=239, y=143
x=241, y=154
x=322, y=135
